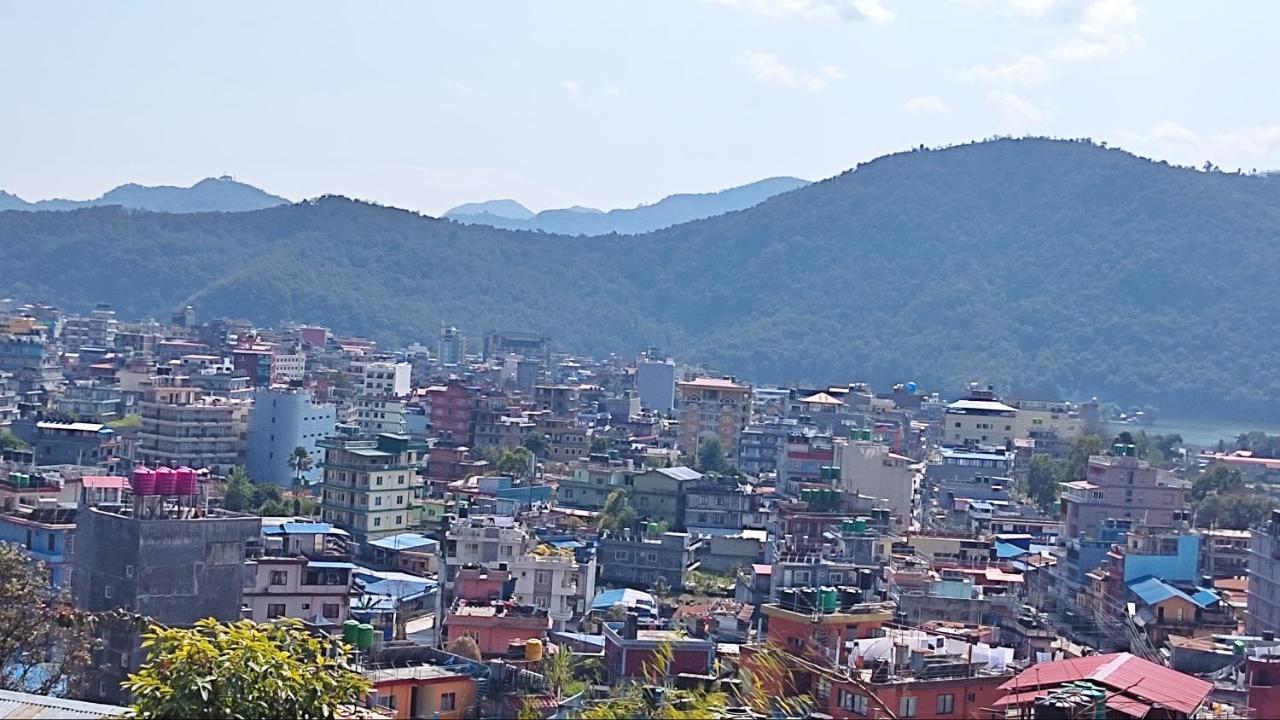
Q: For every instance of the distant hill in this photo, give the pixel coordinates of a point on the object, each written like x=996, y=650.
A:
x=578, y=220
x=1023, y=263
x=209, y=195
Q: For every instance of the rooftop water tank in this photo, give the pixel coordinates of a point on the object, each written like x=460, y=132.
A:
x=144, y=481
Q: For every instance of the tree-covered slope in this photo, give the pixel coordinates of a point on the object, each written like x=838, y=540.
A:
x=1028, y=263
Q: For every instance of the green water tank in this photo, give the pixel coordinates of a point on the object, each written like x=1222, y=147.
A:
x=350, y=632
x=827, y=599
x=860, y=525
x=364, y=636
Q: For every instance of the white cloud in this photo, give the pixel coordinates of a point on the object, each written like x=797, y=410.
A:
x=1106, y=29
x=1032, y=8
x=769, y=68
x=462, y=87
x=1026, y=70
x=612, y=90
x=1247, y=148
x=927, y=104
x=872, y=11
x=1017, y=111
x=1106, y=17
x=570, y=86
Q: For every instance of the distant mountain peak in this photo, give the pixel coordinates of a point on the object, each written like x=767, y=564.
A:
x=220, y=194
x=670, y=210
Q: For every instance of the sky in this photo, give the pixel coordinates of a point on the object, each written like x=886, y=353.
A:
x=606, y=103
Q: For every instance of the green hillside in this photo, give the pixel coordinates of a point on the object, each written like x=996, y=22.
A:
x=1025, y=263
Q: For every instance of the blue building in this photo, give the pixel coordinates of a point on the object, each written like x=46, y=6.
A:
x=283, y=419
x=45, y=532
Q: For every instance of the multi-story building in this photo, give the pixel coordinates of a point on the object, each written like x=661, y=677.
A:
x=760, y=444
x=282, y=420
x=453, y=346
x=487, y=540
x=288, y=365
x=74, y=443
x=298, y=587
x=659, y=495
x=979, y=419
x=1225, y=553
x=1264, y=578
x=96, y=330
x=173, y=568
x=34, y=364
x=45, y=530
x=86, y=400
x=567, y=441
x=870, y=468
x=450, y=411
x=801, y=459
x=386, y=379
x=380, y=414
x=719, y=507
x=1043, y=417
x=180, y=426
x=640, y=559
x=1122, y=486
x=592, y=482
x=712, y=408
x=371, y=485
x=656, y=383
x=555, y=581
x=8, y=399
x=498, y=345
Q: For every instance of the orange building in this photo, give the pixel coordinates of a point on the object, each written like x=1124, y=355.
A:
x=496, y=626
x=825, y=633
x=423, y=691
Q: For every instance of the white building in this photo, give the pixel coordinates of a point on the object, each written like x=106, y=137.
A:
x=979, y=419
x=286, y=367
x=386, y=379
x=872, y=469
x=556, y=582
x=484, y=540
x=295, y=587
x=656, y=383
x=379, y=414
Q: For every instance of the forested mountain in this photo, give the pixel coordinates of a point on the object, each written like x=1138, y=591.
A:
x=1017, y=262
x=671, y=210
x=220, y=194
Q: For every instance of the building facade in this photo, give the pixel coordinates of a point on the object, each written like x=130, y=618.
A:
x=371, y=485
x=283, y=419
x=182, y=427
x=712, y=408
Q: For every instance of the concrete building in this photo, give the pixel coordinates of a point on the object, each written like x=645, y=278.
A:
x=487, y=540
x=174, y=570
x=637, y=559
x=34, y=364
x=45, y=531
x=8, y=399
x=1122, y=486
x=371, y=485
x=75, y=443
x=298, y=587
x=656, y=383
x=592, y=482
x=375, y=414
x=1264, y=578
x=870, y=468
x=453, y=346
x=1043, y=417
x=567, y=441
x=712, y=408
x=386, y=379
x=978, y=419
x=283, y=419
x=629, y=651
x=180, y=426
x=556, y=582
x=760, y=444
x=86, y=400
x=450, y=411
x=96, y=330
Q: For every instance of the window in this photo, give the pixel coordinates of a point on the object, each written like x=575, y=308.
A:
x=542, y=577
x=449, y=701
x=377, y=522
x=622, y=555
x=907, y=707
x=275, y=610
x=331, y=610
x=946, y=704
x=279, y=577
x=128, y=571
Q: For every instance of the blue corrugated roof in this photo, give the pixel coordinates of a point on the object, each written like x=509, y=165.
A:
x=403, y=541
x=331, y=565
x=1006, y=550
x=1152, y=590
x=623, y=596
x=303, y=528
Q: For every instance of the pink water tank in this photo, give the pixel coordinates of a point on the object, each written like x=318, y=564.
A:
x=144, y=481
x=186, y=479
x=166, y=481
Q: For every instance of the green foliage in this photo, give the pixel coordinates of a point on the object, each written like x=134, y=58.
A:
x=1077, y=466
x=1217, y=479
x=237, y=491
x=557, y=668
x=616, y=513
x=1260, y=444
x=711, y=456
x=1042, y=481
x=537, y=444
x=128, y=421
x=243, y=670
x=44, y=642
x=300, y=462
x=1179, y=250
x=1234, y=510
x=514, y=463
x=1157, y=449
x=599, y=445
x=9, y=441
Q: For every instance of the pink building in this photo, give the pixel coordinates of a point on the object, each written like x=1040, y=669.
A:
x=1120, y=485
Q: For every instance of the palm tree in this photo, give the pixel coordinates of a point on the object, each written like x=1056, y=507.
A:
x=300, y=462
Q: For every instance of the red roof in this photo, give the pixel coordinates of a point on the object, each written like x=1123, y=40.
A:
x=106, y=482
x=1137, y=682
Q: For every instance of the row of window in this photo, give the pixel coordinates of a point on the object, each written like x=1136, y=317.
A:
x=908, y=707
x=332, y=611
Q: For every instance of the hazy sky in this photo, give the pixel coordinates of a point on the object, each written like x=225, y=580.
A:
x=427, y=105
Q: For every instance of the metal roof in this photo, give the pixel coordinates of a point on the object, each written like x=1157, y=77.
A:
x=403, y=541
x=1152, y=590
x=681, y=473
x=980, y=406
x=25, y=706
x=1138, y=681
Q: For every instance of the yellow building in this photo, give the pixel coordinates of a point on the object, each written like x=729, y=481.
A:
x=711, y=407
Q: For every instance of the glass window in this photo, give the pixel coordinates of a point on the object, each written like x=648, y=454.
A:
x=907, y=707
x=946, y=704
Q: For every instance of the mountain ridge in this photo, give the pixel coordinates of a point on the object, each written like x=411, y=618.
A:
x=670, y=210
x=221, y=194
x=1028, y=262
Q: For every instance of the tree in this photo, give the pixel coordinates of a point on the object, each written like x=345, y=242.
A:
x=537, y=444
x=1042, y=480
x=9, y=441
x=599, y=445
x=243, y=669
x=237, y=491
x=44, y=642
x=515, y=462
x=616, y=513
x=1077, y=467
x=1217, y=479
x=661, y=588
x=300, y=462
x=711, y=455
x=1238, y=510
x=557, y=668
